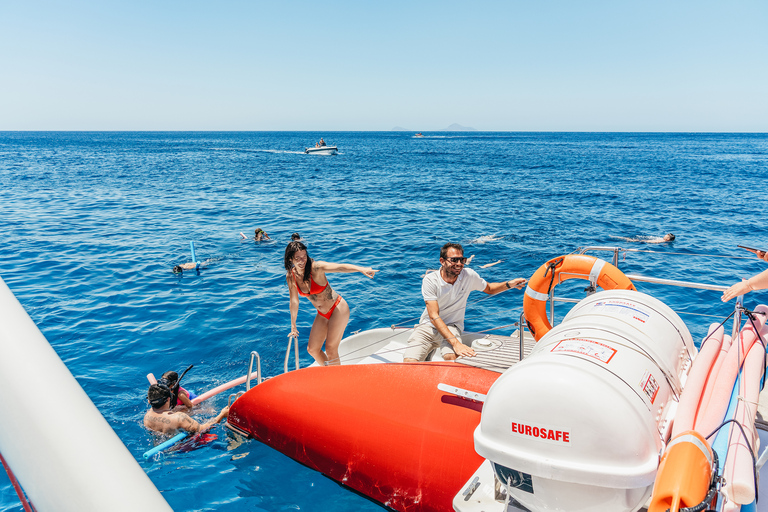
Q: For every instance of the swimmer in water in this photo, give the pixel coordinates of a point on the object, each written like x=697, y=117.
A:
x=178, y=269
x=180, y=396
x=669, y=237
x=485, y=238
x=307, y=278
x=161, y=419
x=295, y=237
x=259, y=235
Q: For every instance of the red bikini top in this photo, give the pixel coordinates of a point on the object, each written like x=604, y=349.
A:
x=314, y=288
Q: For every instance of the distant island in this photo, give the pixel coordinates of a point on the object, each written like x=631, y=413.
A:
x=455, y=127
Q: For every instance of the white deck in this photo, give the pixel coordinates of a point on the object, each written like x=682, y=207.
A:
x=387, y=345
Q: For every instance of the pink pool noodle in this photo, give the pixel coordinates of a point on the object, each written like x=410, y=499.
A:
x=712, y=413
x=711, y=417
x=697, y=378
x=738, y=469
x=219, y=389
x=709, y=386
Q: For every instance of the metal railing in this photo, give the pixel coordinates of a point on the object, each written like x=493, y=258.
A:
x=634, y=278
x=254, y=356
x=295, y=340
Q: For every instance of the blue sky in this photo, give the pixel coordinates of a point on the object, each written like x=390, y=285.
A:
x=672, y=65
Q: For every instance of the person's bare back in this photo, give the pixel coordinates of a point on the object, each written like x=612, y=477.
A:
x=169, y=422
x=161, y=419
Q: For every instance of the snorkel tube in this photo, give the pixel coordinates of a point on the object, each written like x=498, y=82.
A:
x=183, y=374
x=194, y=259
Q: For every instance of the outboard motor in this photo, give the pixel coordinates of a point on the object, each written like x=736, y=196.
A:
x=579, y=423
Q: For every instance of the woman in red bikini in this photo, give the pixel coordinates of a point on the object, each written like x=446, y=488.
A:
x=306, y=277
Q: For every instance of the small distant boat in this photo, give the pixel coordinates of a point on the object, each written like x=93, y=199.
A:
x=418, y=135
x=322, y=150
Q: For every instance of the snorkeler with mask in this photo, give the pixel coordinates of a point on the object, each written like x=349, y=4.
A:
x=160, y=418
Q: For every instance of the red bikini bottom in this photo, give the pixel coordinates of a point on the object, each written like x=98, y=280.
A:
x=330, y=311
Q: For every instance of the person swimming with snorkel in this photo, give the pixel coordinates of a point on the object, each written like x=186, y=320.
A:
x=179, y=394
x=306, y=277
x=191, y=265
x=160, y=418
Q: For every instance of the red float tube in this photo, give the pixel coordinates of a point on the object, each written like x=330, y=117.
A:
x=384, y=430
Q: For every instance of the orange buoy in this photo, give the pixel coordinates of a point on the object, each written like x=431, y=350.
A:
x=561, y=269
x=684, y=475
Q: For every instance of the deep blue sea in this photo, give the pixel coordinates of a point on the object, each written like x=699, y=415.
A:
x=91, y=224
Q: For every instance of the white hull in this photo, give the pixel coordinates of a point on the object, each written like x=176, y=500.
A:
x=325, y=150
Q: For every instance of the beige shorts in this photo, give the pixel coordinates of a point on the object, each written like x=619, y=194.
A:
x=425, y=338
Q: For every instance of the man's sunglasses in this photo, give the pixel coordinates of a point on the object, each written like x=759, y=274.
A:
x=456, y=260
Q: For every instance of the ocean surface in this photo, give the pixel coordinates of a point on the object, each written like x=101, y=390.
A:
x=91, y=224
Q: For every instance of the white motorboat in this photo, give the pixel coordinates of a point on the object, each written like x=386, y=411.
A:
x=579, y=416
x=322, y=150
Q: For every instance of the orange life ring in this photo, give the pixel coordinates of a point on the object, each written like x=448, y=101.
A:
x=561, y=269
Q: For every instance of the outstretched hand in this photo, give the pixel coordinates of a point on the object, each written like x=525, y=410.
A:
x=294, y=333
x=518, y=283
x=736, y=290
x=762, y=255
x=368, y=271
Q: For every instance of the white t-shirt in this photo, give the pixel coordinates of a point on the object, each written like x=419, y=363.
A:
x=451, y=298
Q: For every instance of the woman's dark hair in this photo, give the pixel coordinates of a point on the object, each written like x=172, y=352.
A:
x=177, y=269
x=171, y=377
x=671, y=237
x=290, y=251
x=171, y=380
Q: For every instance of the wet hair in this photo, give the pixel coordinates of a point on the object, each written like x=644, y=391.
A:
x=171, y=380
x=290, y=252
x=158, y=394
x=177, y=269
x=295, y=236
x=671, y=236
x=171, y=377
x=444, y=249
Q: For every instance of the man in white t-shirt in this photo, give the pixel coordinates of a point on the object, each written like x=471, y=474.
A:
x=445, y=293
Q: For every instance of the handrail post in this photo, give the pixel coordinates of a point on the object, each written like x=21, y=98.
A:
x=295, y=340
x=521, y=330
x=296, y=351
x=737, y=317
x=254, y=355
x=552, y=305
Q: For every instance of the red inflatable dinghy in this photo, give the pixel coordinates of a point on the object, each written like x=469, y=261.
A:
x=384, y=430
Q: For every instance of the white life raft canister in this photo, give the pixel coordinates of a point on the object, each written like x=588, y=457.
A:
x=580, y=422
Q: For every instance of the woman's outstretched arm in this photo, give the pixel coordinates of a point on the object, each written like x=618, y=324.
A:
x=329, y=267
